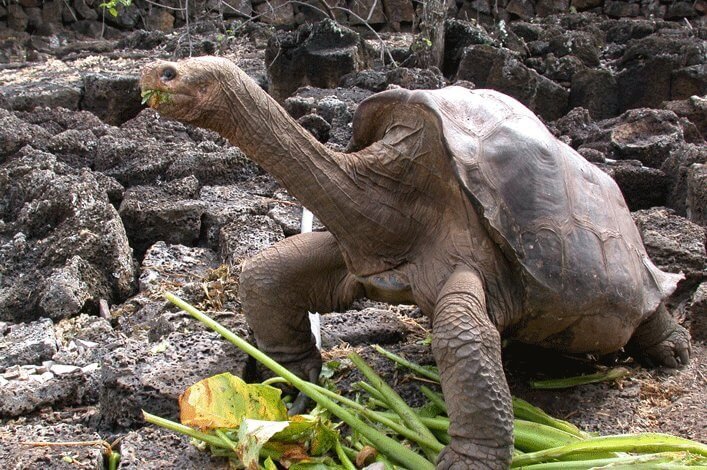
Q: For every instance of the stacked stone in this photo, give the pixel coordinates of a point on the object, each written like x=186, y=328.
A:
x=46, y=17
x=483, y=10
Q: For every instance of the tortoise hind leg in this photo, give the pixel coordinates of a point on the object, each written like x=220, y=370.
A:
x=660, y=341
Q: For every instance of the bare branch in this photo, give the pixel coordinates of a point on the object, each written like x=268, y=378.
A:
x=384, y=48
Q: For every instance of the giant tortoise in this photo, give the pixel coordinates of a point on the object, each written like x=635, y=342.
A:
x=459, y=201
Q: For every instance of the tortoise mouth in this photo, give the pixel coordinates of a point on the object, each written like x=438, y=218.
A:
x=154, y=97
x=166, y=101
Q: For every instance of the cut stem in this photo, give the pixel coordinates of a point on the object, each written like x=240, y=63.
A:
x=637, y=443
x=417, y=368
x=567, y=382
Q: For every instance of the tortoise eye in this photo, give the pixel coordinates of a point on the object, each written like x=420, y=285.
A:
x=168, y=74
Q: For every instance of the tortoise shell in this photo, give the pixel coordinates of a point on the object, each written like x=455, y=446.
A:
x=559, y=219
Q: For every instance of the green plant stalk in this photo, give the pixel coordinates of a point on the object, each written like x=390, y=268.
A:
x=378, y=403
x=383, y=443
x=186, y=430
x=396, y=403
x=442, y=437
x=373, y=392
x=528, y=436
x=343, y=458
x=567, y=382
x=439, y=423
x=532, y=437
x=113, y=460
x=226, y=440
x=667, y=460
x=275, y=380
x=350, y=453
x=521, y=408
x=418, y=369
x=635, y=443
x=524, y=410
x=434, y=398
x=386, y=421
x=214, y=441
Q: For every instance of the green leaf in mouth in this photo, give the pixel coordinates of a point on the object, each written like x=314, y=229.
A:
x=160, y=97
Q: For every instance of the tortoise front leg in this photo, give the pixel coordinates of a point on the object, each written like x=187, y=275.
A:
x=467, y=348
x=303, y=273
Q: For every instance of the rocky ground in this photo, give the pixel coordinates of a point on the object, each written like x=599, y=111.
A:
x=104, y=206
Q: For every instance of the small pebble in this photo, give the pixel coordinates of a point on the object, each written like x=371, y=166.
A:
x=86, y=344
x=63, y=369
x=42, y=378
x=12, y=372
x=91, y=367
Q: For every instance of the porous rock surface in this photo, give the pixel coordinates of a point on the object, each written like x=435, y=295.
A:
x=92, y=186
x=62, y=245
x=14, y=452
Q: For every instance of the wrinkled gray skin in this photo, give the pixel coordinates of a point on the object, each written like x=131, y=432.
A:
x=458, y=201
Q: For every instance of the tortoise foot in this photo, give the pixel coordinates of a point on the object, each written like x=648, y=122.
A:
x=673, y=351
x=473, y=457
x=661, y=341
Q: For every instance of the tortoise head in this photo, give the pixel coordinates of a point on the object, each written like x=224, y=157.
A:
x=190, y=90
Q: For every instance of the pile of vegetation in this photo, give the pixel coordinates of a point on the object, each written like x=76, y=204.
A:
x=249, y=424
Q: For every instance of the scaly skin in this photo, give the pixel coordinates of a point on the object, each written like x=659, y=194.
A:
x=467, y=349
x=301, y=274
x=660, y=341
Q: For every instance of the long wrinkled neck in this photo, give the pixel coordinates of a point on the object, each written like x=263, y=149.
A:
x=317, y=176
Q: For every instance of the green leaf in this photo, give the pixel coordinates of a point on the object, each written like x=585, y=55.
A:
x=224, y=401
x=269, y=464
x=113, y=11
x=329, y=368
x=159, y=97
x=313, y=430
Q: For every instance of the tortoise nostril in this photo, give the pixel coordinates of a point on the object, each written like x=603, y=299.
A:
x=168, y=73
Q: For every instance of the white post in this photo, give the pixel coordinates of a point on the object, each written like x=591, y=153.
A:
x=314, y=318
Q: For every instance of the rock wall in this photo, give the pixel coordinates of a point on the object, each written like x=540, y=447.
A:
x=88, y=17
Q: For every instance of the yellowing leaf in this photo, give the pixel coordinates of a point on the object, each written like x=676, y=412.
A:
x=224, y=401
x=252, y=435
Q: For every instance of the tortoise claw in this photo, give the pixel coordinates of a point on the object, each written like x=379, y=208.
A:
x=302, y=401
x=300, y=405
x=673, y=351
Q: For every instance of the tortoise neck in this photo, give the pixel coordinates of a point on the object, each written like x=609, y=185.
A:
x=323, y=180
